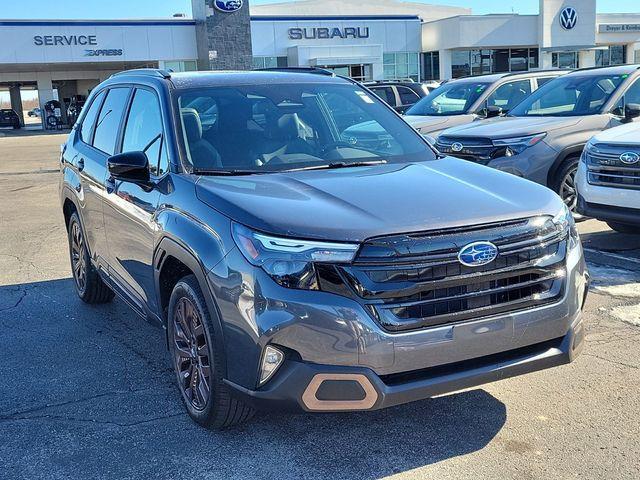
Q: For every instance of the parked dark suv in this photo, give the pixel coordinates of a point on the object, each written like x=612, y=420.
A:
x=294, y=267
x=9, y=118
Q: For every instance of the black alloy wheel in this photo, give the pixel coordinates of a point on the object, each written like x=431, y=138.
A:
x=191, y=354
x=78, y=260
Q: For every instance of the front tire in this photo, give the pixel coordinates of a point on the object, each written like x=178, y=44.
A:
x=565, y=184
x=89, y=286
x=197, y=362
x=624, y=228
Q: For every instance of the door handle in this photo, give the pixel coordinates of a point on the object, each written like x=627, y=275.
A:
x=81, y=164
x=110, y=184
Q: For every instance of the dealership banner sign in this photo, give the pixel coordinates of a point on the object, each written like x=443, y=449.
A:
x=618, y=27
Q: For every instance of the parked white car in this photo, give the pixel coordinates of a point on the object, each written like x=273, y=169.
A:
x=608, y=178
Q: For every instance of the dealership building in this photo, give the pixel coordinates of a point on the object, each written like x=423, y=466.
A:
x=379, y=39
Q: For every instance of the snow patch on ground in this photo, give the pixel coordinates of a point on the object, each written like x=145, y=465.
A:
x=615, y=281
x=628, y=314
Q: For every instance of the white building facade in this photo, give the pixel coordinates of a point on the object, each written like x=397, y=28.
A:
x=565, y=34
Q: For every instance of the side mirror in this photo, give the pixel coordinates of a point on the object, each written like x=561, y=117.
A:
x=129, y=166
x=631, y=111
x=493, y=111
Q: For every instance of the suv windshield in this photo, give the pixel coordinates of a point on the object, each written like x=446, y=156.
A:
x=570, y=95
x=453, y=98
x=270, y=128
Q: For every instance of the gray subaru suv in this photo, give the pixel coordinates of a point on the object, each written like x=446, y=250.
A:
x=542, y=138
x=462, y=101
x=296, y=265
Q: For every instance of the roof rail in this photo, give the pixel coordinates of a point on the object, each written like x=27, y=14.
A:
x=391, y=80
x=152, y=72
x=314, y=70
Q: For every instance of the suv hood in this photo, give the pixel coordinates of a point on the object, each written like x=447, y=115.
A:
x=503, y=127
x=429, y=124
x=353, y=204
x=628, y=134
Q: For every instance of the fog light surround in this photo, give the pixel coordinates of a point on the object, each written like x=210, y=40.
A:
x=271, y=360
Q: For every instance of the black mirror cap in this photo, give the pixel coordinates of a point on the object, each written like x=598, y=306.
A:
x=129, y=166
x=631, y=111
x=493, y=111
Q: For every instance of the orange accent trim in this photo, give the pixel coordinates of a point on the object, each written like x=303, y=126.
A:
x=312, y=403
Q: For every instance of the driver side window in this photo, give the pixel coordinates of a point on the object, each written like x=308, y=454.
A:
x=632, y=95
x=509, y=94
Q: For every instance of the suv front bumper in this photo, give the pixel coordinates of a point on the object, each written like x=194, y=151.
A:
x=299, y=385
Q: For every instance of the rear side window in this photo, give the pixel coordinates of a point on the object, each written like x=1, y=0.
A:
x=386, y=94
x=90, y=118
x=143, y=131
x=108, y=123
x=543, y=80
x=407, y=96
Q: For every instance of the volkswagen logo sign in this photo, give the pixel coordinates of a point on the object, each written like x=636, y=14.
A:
x=477, y=254
x=227, y=5
x=568, y=18
x=456, y=147
x=629, y=158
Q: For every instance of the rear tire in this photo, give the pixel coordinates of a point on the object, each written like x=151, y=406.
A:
x=89, y=286
x=624, y=228
x=197, y=362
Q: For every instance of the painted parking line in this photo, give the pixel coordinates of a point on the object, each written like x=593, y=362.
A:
x=613, y=255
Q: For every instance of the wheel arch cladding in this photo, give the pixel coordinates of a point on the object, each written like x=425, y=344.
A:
x=574, y=151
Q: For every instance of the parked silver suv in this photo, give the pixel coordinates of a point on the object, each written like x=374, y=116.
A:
x=542, y=138
x=465, y=100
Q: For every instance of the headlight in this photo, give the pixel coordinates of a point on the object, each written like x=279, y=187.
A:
x=564, y=221
x=290, y=262
x=517, y=145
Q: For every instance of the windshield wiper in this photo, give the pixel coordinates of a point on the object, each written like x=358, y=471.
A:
x=205, y=171
x=333, y=165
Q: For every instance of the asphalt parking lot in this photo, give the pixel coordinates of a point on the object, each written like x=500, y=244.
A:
x=87, y=392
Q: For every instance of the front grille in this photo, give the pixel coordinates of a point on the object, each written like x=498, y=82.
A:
x=479, y=150
x=416, y=280
x=605, y=168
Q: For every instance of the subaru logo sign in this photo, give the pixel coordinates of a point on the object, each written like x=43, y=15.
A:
x=629, y=158
x=227, y=5
x=568, y=18
x=457, y=146
x=477, y=254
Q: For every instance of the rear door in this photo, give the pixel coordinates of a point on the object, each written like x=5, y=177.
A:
x=130, y=208
x=90, y=167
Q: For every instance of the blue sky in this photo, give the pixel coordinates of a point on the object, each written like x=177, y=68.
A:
x=36, y=9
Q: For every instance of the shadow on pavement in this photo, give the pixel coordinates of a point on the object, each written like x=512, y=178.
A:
x=87, y=392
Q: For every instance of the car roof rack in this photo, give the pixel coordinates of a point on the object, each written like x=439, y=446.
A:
x=393, y=80
x=152, y=72
x=314, y=70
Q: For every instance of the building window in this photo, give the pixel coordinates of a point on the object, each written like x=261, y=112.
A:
x=431, y=69
x=180, y=65
x=478, y=62
x=565, y=60
x=401, y=65
x=269, y=62
x=612, y=55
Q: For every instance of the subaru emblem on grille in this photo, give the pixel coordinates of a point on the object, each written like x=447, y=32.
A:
x=477, y=254
x=457, y=146
x=629, y=158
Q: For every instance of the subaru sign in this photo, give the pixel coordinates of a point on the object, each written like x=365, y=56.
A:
x=568, y=18
x=477, y=254
x=227, y=5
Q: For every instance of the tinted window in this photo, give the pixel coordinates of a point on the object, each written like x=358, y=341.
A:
x=261, y=128
x=543, y=80
x=143, y=131
x=407, y=96
x=570, y=95
x=452, y=98
x=509, y=94
x=109, y=120
x=386, y=94
x=90, y=118
x=633, y=93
